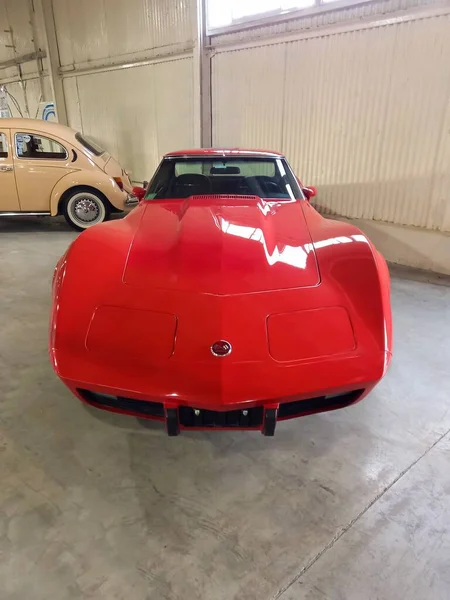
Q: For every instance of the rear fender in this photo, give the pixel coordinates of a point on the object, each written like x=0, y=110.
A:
x=95, y=179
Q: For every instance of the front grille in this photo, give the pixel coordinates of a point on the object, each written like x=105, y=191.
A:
x=247, y=418
x=299, y=407
x=140, y=407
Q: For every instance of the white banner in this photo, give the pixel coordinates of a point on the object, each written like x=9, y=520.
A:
x=4, y=110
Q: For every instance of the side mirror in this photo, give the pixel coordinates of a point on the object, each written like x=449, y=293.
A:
x=309, y=192
x=139, y=192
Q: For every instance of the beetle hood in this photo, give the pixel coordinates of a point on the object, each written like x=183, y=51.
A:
x=222, y=245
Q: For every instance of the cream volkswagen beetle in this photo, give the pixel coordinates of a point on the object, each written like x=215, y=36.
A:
x=50, y=169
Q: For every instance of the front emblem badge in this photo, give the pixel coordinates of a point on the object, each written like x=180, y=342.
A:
x=221, y=348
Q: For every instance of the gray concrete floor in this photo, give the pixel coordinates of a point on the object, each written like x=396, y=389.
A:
x=350, y=505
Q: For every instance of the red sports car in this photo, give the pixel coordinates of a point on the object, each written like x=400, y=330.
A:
x=224, y=300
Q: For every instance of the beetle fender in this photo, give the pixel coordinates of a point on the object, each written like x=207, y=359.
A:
x=95, y=179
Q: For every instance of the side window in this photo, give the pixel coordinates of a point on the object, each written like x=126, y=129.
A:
x=3, y=146
x=33, y=145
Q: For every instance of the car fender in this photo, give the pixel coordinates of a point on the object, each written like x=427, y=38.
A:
x=93, y=262
x=349, y=262
x=94, y=179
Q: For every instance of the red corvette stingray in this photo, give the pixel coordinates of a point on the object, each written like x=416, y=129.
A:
x=224, y=300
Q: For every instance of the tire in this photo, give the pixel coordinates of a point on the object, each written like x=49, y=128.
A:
x=84, y=207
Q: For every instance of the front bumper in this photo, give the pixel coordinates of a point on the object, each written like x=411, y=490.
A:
x=263, y=417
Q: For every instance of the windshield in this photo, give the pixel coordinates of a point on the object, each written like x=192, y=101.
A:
x=263, y=177
x=90, y=144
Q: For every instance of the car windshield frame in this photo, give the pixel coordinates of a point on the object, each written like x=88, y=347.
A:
x=163, y=185
x=89, y=144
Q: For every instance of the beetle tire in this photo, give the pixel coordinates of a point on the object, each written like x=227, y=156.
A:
x=85, y=207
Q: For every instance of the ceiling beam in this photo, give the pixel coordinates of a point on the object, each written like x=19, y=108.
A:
x=202, y=78
x=20, y=60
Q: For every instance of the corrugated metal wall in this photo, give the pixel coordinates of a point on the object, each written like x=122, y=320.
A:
x=362, y=110
x=28, y=95
x=364, y=115
x=138, y=114
x=90, y=30
x=335, y=16
x=17, y=38
x=16, y=34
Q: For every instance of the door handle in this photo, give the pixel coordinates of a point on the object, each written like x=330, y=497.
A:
x=4, y=168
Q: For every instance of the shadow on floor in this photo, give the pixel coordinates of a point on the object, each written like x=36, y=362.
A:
x=40, y=224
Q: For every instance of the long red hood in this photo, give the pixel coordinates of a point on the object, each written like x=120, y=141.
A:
x=222, y=245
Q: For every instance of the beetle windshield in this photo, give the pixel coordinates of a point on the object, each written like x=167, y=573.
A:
x=180, y=177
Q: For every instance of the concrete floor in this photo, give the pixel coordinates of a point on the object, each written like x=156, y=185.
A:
x=348, y=505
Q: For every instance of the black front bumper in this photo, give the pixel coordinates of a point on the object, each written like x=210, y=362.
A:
x=262, y=418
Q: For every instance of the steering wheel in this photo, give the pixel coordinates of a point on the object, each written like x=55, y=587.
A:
x=271, y=186
x=264, y=183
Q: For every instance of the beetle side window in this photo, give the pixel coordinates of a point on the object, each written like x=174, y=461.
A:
x=3, y=146
x=36, y=146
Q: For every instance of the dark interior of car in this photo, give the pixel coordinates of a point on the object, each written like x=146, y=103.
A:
x=36, y=149
x=190, y=184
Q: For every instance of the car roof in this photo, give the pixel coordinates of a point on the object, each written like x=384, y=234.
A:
x=224, y=152
x=38, y=125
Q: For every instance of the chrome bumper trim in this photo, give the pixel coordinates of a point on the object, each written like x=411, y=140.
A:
x=24, y=214
x=131, y=200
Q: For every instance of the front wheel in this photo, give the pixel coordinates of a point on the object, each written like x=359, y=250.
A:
x=84, y=208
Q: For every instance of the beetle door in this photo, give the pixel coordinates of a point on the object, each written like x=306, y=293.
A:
x=9, y=200
x=40, y=162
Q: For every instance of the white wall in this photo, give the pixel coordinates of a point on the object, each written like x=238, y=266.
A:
x=29, y=94
x=361, y=109
x=127, y=71
x=16, y=15
x=138, y=113
x=102, y=30
x=18, y=37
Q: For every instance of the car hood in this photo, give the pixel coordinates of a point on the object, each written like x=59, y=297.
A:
x=222, y=245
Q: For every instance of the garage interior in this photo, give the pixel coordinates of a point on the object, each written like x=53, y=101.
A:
x=347, y=505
